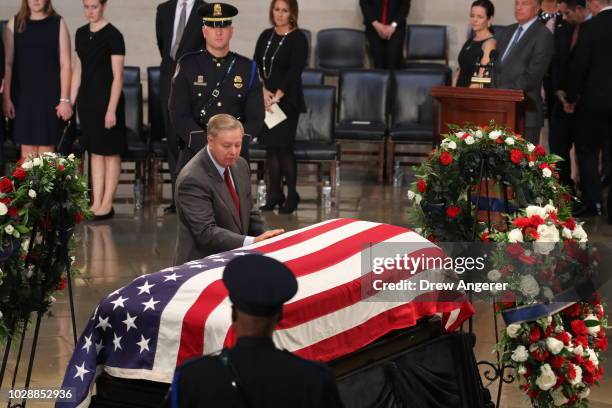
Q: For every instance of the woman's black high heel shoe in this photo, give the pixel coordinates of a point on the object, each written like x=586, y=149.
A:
x=293, y=200
x=273, y=201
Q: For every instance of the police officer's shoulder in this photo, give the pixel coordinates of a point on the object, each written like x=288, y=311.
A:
x=190, y=56
x=200, y=364
x=242, y=59
x=319, y=370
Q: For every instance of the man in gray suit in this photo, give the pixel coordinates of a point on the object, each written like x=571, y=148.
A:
x=526, y=49
x=213, y=197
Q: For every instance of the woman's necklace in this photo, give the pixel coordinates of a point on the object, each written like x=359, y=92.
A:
x=268, y=72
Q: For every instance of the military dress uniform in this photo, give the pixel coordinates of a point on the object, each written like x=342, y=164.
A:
x=254, y=373
x=204, y=85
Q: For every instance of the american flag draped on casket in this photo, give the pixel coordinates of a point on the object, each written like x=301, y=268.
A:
x=147, y=328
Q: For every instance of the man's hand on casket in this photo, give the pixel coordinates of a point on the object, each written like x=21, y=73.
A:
x=269, y=234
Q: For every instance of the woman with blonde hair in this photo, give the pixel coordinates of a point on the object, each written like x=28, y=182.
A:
x=37, y=76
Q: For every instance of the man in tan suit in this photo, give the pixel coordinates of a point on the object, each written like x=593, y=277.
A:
x=213, y=197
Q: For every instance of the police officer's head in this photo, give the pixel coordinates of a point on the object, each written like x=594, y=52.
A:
x=258, y=287
x=217, y=26
x=225, y=134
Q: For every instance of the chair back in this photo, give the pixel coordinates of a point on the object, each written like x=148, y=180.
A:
x=363, y=96
x=340, y=48
x=133, y=112
x=131, y=75
x=154, y=108
x=316, y=125
x=412, y=102
x=312, y=77
x=308, y=35
x=426, y=42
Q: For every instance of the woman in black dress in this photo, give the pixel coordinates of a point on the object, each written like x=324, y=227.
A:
x=281, y=54
x=96, y=86
x=481, y=13
x=37, y=77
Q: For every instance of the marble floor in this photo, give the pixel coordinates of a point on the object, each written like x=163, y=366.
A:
x=134, y=243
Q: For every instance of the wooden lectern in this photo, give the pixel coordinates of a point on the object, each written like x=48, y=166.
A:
x=478, y=106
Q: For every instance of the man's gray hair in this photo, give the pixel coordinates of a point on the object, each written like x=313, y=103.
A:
x=221, y=122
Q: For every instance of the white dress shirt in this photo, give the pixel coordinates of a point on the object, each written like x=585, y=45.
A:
x=247, y=240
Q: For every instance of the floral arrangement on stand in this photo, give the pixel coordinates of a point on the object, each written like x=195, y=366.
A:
x=41, y=201
x=472, y=159
x=487, y=184
x=558, y=355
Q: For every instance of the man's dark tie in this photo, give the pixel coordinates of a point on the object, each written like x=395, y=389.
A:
x=232, y=190
x=575, y=35
x=385, y=12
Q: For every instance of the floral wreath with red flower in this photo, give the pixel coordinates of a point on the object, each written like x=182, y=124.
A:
x=443, y=195
x=557, y=356
x=36, y=217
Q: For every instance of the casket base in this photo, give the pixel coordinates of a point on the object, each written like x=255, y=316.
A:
x=405, y=366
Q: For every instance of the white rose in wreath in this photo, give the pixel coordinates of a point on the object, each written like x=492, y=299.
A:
x=516, y=235
x=513, y=330
x=460, y=134
x=451, y=145
x=71, y=157
x=494, y=135
x=27, y=165
x=494, y=275
x=529, y=286
x=548, y=237
x=3, y=209
x=509, y=141
x=558, y=398
x=530, y=147
x=595, y=329
x=411, y=195
x=32, y=194
x=520, y=354
x=37, y=162
x=522, y=370
x=9, y=229
x=579, y=234
x=417, y=199
x=535, y=210
x=554, y=346
x=546, y=172
x=469, y=140
x=579, y=350
x=547, y=378
x=567, y=233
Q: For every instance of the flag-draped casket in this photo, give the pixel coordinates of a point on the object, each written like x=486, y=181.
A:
x=147, y=328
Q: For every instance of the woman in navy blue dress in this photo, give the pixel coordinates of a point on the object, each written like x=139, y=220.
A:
x=37, y=78
x=97, y=82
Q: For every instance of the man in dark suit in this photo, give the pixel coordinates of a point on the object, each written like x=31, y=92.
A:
x=526, y=49
x=254, y=373
x=562, y=125
x=213, y=197
x=385, y=22
x=588, y=94
x=179, y=31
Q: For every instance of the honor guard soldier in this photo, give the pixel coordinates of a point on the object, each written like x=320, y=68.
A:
x=254, y=373
x=213, y=81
